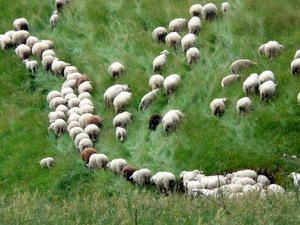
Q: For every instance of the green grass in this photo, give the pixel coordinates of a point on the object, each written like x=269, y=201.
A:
x=91, y=34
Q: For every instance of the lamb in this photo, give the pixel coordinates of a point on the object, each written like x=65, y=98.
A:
x=97, y=161
x=117, y=165
x=87, y=153
x=225, y=7
x=5, y=42
x=31, y=40
x=275, y=189
x=85, y=143
x=58, y=66
x=59, y=4
x=87, y=119
x=59, y=126
x=79, y=137
x=93, y=131
x=48, y=52
x=54, y=19
x=73, y=132
x=173, y=40
x=73, y=102
x=39, y=47
x=127, y=172
x=154, y=121
x=53, y=94
x=164, y=181
x=121, y=134
x=84, y=95
x=171, y=120
x=86, y=109
x=187, y=176
x=116, y=69
x=241, y=64
x=148, y=99
x=194, y=25
x=73, y=117
x=296, y=179
x=23, y=51
x=52, y=116
x=209, y=11
x=272, y=49
x=112, y=92
x=171, y=83
x=47, y=62
x=122, y=119
x=191, y=186
x=217, y=106
x=56, y=102
x=85, y=87
x=230, y=79
x=159, y=34
x=297, y=54
x=205, y=193
x=160, y=61
x=141, y=176
x=121, y=101
x=47, y=162
x=263, y=180
x=192, y=55
x=267, y=90
x=177, y=25
x=31, y=65
x=70, y=69
x=156, y=81
x=188, y=41
x=295, y=66
x=243, y=105
x=21, y=24
x=265, y=76
x=251, y=84
x=243, y=181
x=196, y=10
x=62, y=108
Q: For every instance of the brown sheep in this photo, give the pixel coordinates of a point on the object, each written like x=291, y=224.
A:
x=86, y=154
x=127, y=172
x=90, y=119
x=82, y=79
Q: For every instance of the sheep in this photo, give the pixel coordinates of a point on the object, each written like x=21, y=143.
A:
x=23, y=51
x=248, y=189
x=9, y=33
x=62, y=108
x=171, y=120
x=79, y=137
x=5, y=42
x=148, y=99
x=243, y=181
x=231, y=188
x=297, y=54
x=192, y=55
x=164, y=181
x=47, y=62
x=87, y=119
x=84, y=95
x=31, y=65
x=85, y=143
x=122, y=119
x=53, y=94
x=47, y=162
x=242, y=173
x=141, y=177
x=21, y=24
x=58, y=66
x=59, y=126
x=160, y=61
x=212, y=182
x=116, y=69
x=74, y=132
x=81, y=79
x=112, y=92
x=54, y=19
x=85, y=87
x=121, y=101
x=171, y=83
x=261, y=49
x=251, y=84
x=241, y=64
x=225, y=7
x=93, y=131
x=159, y=34
x=154, y=121
x=74, y=76
x=243, y=105
x=173, y=40
x=263, y=180
x=188, y=41
x=127, y=172
x=73, y=117
x=187, y=176
x=296, y=179
x=230, y=79
x=192, y=185
x=52, y=116
x=38, y=48
x=86, y=109
x=87, y=153
x=267, y=90
x=275, y=189
x=272, y=49
x=295, y=66
x=56, y=102
x=31, y=40
x=194, y=25
x=121, y=134
x=69, y=96
x=97, y=161
x=59, y=4
x=205, y=193
x=209, y=11
x=217, y=106
x=86, y=102
x=196, y=10
x=67, y=90
x=48, y=52
x=69, y=83
x=265, y=76
x=298, y=98
x=156, y=81
x=70, y=69
x=117, y=165
x=177, y=25
x=72, y=125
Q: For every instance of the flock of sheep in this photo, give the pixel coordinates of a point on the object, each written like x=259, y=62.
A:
x=73, y=109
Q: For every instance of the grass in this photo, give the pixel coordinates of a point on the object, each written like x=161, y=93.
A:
x=91, y=34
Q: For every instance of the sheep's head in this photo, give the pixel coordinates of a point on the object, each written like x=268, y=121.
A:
x=165, y=52
x=292, y=174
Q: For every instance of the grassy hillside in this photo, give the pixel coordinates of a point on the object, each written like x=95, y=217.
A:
x=91, y=34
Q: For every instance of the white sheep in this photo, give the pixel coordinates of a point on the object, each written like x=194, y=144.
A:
x=148, y=99
x=47, y=162
x=79, y=137
x=85, y=143
x=73, y=76
x=52, y=116
x=230, y=79
x=62, y=108
x=86, y=102
x=251, y=84
x=192, y=55
x=196, y=10
x=265, y=76
x=86, y=109
x=69, y=96
x=73, y=117
x=121, y=101
x=225, y=7
x=177, y=25
x=69, y=83
x=39, y=47
x=121, y=134
x=111, y=92
x=243, y=105
x=21, y=24
x=74, y=132
x=70, y=69
x=217, y=106
x=275, y=189
x=54, y=19
x=194, y=25
x=85, y=87
x=67, y=90
x=272, y=49
x=173, y=40
x=295, y=66
x=97, y=161
x=122, y=119
x=31, y=65
x=231, y=188
x=53, y=94
x=188, y=41
x=160, y=61
x=243, y=181
x=261, y=49
x=191, y=186
x=73, y=102
x=116, y=165
x=23, y=51
x=47, y=52
x=93, y=131
x=242, y=173
x=263, y=180
x=9, y=33
x=141, y=176
x=159, y=34
x=5, y=42
x=74, y=110
x=267, y=90
x=47, y=62
x=116, y=69
x=212, y=182
x=209, y=11
x=58, y=66
x=297, y=54
x=31, y=40
x=164, y=181
x=72, y=125
x=56, y=102
x=296, y=179
x=171, y=120
x=250, y=189
x=59, y=126
x=241, y=64
x=171, y=83
x=156, y=81
x=187, y=176
x=84, y=95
